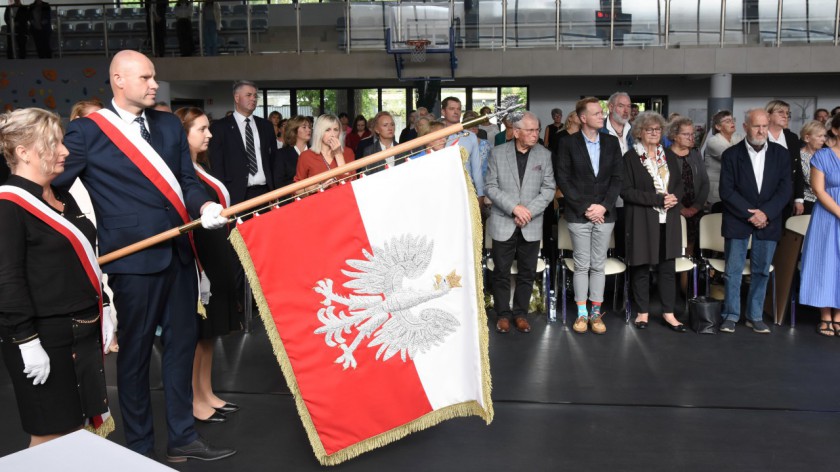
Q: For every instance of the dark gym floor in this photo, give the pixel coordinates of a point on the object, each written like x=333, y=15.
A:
x=630, y=400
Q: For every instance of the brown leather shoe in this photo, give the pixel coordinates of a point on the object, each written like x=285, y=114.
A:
x=581, y=324
x=598, y=326
x=522, y=325
x=503, y=325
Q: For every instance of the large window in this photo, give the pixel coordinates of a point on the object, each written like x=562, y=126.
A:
x=393, y=101
x=369, y=101
x=278, y=100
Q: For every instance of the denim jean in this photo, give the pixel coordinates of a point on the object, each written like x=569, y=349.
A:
x=761, y=256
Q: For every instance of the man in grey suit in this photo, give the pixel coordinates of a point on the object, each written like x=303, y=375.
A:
x=520, y=183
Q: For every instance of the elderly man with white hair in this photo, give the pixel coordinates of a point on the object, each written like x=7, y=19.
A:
x=520, y=183
x=755, y=187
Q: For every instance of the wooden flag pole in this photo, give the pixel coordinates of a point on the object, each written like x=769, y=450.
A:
x=297, y=186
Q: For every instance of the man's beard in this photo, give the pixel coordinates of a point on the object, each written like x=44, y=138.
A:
x=619, y=119
x=756, y=143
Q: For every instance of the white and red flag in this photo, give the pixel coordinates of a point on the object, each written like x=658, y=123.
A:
x=371, y=295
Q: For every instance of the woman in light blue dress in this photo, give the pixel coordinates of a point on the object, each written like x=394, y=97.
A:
x=820, y=285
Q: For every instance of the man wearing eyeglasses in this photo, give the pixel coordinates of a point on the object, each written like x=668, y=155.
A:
x=589, y=173
x=755, y=187
x=520, y=183
x=779, y=133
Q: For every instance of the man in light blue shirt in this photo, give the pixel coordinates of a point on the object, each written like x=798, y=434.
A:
x=451, y=108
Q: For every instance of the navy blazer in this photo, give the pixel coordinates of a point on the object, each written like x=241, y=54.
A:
x=576, y=176
x=739, y=192
x=128, y=207
x=228, y=161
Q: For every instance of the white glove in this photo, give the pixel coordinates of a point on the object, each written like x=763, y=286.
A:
x=108, y=330
x=204, y=289
x=36, y=362
x=211, y=217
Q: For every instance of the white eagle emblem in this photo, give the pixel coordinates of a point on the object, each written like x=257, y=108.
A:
x=379, y=275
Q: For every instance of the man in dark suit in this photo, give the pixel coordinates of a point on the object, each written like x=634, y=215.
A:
x=755, y=187
x=17, y=25
x=520, y=183
x=243, y=147
x=589, y=173
x=156, y=286
x=40, y=14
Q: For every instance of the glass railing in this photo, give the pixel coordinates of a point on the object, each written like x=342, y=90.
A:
x=234, y=28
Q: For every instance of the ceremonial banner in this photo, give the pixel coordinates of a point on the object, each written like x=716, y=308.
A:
x=371, y=294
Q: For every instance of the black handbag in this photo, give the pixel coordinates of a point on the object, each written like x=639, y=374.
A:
x=704, y=314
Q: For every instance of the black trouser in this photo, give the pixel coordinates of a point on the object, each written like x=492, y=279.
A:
x=42, y=39
x=183, y=27
x=620, y=240
x=640, y=281
x=504, y=253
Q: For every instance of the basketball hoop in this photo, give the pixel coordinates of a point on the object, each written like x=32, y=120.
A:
x=418, y=49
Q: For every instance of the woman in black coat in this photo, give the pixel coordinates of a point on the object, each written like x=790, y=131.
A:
x=296, y=138
x=652, y=190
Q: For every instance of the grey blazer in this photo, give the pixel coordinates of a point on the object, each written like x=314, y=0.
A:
x=503, y=189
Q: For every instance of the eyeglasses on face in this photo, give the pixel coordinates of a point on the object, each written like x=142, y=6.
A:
x=653, y=130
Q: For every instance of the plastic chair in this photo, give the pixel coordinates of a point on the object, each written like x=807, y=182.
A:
x=799, y=225
x=712, y=240
x=614, y=266
x=686, y=263
x=542, y=268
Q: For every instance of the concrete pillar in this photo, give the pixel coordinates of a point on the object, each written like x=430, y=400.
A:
x=720, y=96
x=164, y=93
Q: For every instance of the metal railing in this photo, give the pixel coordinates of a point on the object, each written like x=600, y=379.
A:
x=255, y=27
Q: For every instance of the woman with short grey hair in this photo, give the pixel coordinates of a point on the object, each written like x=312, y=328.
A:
x=652, y=190
x=693, y=175
x=555, y=127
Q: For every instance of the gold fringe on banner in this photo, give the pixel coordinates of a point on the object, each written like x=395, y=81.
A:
x=104, y=430
x=433, y=418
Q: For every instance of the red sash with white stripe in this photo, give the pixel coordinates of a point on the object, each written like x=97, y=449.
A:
x=84, y=251
x=215, y=184
x=144, y=156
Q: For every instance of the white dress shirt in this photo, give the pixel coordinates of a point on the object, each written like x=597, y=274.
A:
x=781, y=140
x=259, y=177
x=129, y=118
x=757, y=158
x=389, y=161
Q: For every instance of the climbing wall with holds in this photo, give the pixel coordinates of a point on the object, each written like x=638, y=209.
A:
x=54, y=85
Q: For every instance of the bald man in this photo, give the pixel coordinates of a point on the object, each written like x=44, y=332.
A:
x=135, y=163
x=755, y=187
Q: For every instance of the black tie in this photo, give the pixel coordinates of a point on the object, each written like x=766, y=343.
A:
x=249, y=148
x=143, y=131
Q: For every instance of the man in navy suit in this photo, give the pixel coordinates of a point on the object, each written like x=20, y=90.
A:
x=156, y=286
x=243, y=147
x=755, y=187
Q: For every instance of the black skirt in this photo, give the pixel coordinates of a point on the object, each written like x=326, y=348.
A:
x=75, y=388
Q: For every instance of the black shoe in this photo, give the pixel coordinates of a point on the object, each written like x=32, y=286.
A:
x=216, y=417
x=227, y=408
x=680, y=328
x=640, y=324
x=199, y=449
